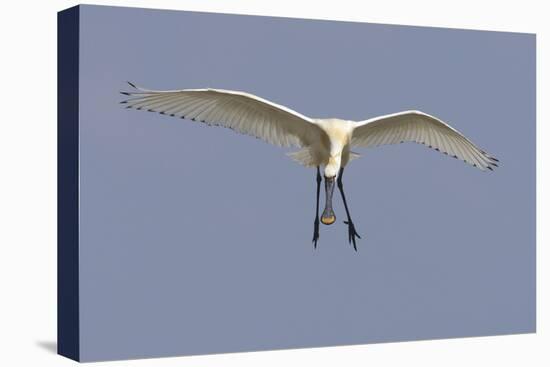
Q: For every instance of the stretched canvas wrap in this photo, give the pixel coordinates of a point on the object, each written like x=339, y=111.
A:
x=180, y=237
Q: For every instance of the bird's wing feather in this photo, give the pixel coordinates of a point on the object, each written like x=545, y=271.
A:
x=242, y=112
x=419, y=127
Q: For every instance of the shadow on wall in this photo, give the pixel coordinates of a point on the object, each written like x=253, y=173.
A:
x=48, y=345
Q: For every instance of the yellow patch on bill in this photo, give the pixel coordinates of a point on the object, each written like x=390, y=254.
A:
x=328, y=220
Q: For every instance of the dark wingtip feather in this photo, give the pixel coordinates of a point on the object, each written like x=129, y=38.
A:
x=123, y=102
x=489, y=167
x=125, y=93
x=132, y=84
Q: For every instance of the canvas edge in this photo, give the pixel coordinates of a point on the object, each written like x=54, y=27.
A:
x=68, y=325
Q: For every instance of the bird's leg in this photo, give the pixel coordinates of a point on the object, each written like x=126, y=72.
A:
x=351, y=228
x=316, y=223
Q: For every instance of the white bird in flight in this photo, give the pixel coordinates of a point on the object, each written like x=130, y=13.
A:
x=323, y=142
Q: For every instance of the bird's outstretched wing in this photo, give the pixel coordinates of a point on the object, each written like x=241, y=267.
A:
x=242, y=112
x=418, y=127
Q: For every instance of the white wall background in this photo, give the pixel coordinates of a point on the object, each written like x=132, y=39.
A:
x=28, y=181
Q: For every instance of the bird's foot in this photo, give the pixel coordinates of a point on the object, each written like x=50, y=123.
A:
x=315, y=232
x=352, y=233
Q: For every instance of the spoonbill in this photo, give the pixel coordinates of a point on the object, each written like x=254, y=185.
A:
x=323, y=142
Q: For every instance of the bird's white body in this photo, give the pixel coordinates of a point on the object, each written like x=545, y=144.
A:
x=331, y=151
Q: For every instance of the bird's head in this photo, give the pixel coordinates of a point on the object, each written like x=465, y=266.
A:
x=333, y=166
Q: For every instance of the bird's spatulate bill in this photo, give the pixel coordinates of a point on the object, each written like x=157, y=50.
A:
x=328, y=216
